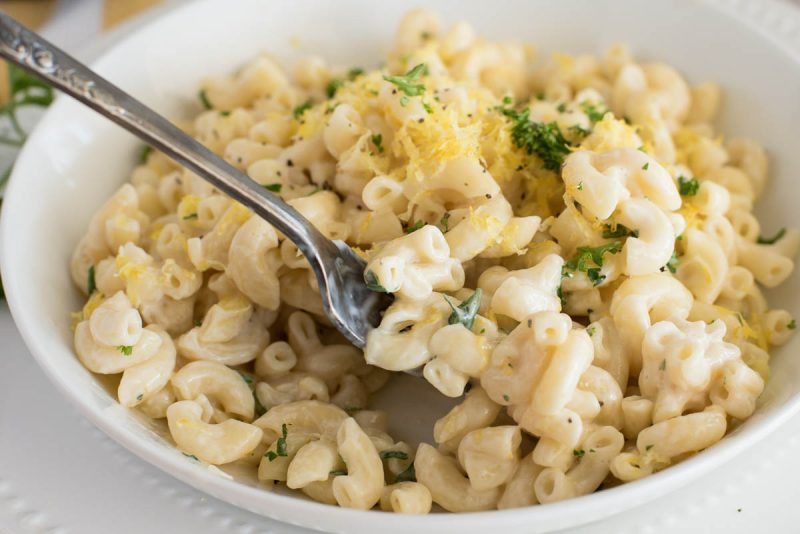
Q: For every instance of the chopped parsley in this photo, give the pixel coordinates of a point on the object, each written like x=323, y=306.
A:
x=400, y=455
x=91, y=283
x=225, y=113
x=275, y=188
x=146, y=151
x=354, y=73
x=204, y=99
x=190, y=217
x=191, y=457
x=648, y=447
x=578, y=453
x=561, y=297
x=445, y=221
x=409, y=475
x=127, y=350
x=404, y=101
x=139, y=397
x=646, y=166
x=465, y=312
x=543, y=139
x=562, y=107
x=333, y=86
x=404, y=83
x=416, y=226
x=579, y=130
x=672, y=264
x=792, y=325
x=280, y=445
x=771, y=240
x=580, y=186
x=352, y=410
x=373, y=284
x=592, y=112
x=586, y=256
x=337, y=473
x=302, y=108
x=506, y=397
x=688, y=188
x=662, y=365
x=377, y=140
x=610, y=232
x=590, y=331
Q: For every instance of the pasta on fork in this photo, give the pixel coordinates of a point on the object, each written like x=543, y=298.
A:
x=570, y=244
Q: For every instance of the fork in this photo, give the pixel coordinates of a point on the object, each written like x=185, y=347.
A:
x=351, y=307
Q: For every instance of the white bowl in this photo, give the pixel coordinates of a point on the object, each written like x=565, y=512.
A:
x=75, y=160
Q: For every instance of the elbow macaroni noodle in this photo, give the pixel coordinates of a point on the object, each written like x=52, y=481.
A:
x=570, y=245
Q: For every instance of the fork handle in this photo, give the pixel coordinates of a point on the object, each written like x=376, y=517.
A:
x=30, y=51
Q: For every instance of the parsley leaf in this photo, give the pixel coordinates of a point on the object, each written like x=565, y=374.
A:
x=385, y=455
x=337, y=473
x=416, y=226
x=662, y=365
x=578, y=453
x=404, y=83
x=146, y=151
x=127, y=350
x=275, y=188
x=592, y=112
x=204, y=99
x=377, y=140
x=771, y=240
x=445, y=221
x=91, y=284
x=585, y=256
x=190, y=217
x=280, y=445
x=302, y=108
x=609, y=232
x=543, y=139
x=373, y=284
x=792, y=325
x=354, y=73
x=579, y=130
x=191, y=456
x=465, y=312
x=688, y=188
x=672, y=264
x=333, y=86
x=409, y=475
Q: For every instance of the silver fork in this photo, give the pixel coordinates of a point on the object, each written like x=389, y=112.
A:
x=349, y=304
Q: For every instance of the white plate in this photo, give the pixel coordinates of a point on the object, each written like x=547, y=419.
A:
x=75, y=160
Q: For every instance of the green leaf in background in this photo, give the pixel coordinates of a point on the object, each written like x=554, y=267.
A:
x=24, y=90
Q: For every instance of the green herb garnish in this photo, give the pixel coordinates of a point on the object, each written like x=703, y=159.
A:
x=646, y=166
x=562, y=107
x=506, y=397
x=91, y=283
x=377, y=140
x=543, y=139
x=404, y=83
x=127, y=350
x=373, y=284
x=586, y=256
x=337, y=473
x=465, y=312
x=190, y=217
x=792, y=325
x=354, y=73
x=416, y=226
x=275, y=188
x=204, y=99
x=146, y=151
x=662, y=365
x=333, y=86
x=578, y=453
x=400, y=455
x=445, y=221
x=688, y=188
x=592, y=112
x=409, y=475
x=280, y=445
x=620, y=231
x=771, y=240
x=191, y=457
x=302, y=108
x=672, y=264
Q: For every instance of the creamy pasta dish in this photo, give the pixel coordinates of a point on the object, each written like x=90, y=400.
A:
x=569, y=242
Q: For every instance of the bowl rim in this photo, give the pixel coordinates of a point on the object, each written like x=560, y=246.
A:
x=239, y=494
